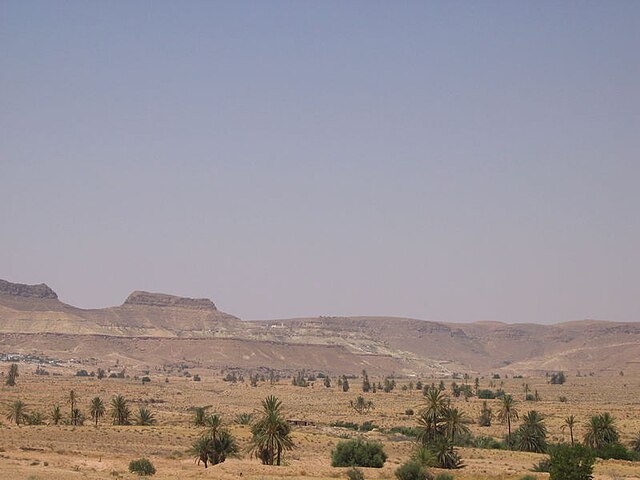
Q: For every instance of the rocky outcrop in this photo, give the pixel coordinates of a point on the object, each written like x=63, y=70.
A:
x=163, y=300
x=21, y=290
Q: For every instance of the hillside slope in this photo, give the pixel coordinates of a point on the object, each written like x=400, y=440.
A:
x=160, y=328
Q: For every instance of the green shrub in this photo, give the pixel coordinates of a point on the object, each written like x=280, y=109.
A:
x=349, y=425
x=571, y=463
x=358, y=453
x=412, y=470
x=542, y=466
x=368, y=426
x=488, y=443
x=406, y=431
x=486, y=394
x=142, y=467
x=616, y=451
x=355, y=474
x=444, y=476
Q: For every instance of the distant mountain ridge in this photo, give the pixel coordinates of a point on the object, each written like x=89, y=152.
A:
x=173, y=327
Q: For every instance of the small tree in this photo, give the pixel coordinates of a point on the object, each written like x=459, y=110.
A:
x=17, y=412
x=96, y=409
x=361, y=405
x=601, y=431
x=55, y=415
x=570, y=423
x=345, y=384
x=571, y=463
x=145, y=417
x=12, y=375
x=486, y=415
x=531, y=436
x=120, y=413
x=508, y=413
x=199, y=415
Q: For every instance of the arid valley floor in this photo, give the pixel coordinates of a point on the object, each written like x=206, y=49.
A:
x=89, y=452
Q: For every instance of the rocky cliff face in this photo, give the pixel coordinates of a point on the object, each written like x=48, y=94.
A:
x=21, y=290
x=163, y=300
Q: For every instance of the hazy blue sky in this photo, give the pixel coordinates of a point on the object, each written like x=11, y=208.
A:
x=442, y=160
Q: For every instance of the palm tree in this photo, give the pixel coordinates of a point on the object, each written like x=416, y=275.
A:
x=12, y=375
x=507, y=413
x=526, y=390
x=601, y=431
x=55, y=415
x=224, y=445
x=200, y=449
x=72, y=401
x=17, y=412
x=213, y=423
x=361, y=405
x=145, y=417
x=431, y=415
x=531, y=436
x=453, y=421
x=97, y=409
x=214, y=450
x=271, y=434
x=486, y=415
x=199, y=414
x=570, y=423
x=120, y=412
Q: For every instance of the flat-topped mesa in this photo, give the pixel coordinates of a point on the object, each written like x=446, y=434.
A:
x=149, y=299
x=22, y=290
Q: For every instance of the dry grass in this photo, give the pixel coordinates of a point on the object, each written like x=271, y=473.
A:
x=66, y=452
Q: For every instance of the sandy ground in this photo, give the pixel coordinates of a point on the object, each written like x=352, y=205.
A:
x=87, y=452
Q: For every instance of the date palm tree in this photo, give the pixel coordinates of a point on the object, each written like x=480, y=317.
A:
x=17, y=412
x=601, y=431
x=214, y=449
x=531, y=436
x=570, y=423
x=55, y=415
x=430, y=421
x=453, y=421
x=199, y=414
x=145, y=417
x=120, y=412
x=72, y=402
x=12, y=375
x=271, y=433
x=508, y=412
x=96, y=409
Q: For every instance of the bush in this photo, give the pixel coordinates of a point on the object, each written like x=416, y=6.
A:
x=412, y=471
x=616, y=451
x=349, y=425
x=488, y=443
x=542, y=466
x=528, y=477
x=571, y=463
x=355, y=474
x=358, y=453
x=142, y=467
x=368, y=426
x=444, y=476
x=486, y=394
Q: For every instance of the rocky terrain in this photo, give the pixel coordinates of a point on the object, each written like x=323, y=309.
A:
x=155, y=329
